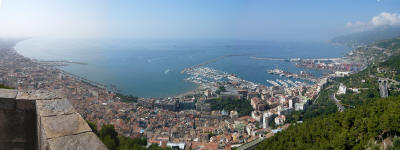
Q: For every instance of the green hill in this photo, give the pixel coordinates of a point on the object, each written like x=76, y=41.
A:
x=367, y=121
x=367, y=37
x=356, y=128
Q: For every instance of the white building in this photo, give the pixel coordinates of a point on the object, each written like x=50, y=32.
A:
x=176, y=145
x=266, y=118
x=280, y=120
x=321, y=83
x=299, y=106
x=341, y=73
x=256, y=115
x=342, y=89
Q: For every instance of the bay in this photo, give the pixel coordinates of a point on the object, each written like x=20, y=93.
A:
x=151, y=68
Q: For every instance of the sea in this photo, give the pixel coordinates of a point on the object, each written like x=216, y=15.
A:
x=152, y=68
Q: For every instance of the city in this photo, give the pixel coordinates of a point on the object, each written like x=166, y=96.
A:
x=186, y=120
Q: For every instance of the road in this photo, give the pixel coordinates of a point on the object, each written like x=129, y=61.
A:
x=337, y=102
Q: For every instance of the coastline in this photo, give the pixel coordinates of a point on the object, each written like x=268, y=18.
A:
x=190, y=92
x=94, y=83
x=185, y=90
x=77, y=77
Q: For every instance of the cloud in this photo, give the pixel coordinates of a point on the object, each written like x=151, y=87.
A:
x=383, y=19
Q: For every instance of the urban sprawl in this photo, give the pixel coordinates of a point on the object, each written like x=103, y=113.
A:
x=187, y=120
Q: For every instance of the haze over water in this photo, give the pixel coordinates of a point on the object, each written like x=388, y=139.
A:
x=151, y=68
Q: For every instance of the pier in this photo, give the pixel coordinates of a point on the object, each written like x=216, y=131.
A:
x=269, y=58
x=211, y=61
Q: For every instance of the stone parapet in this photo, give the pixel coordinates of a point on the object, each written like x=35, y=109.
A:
x=42, y=120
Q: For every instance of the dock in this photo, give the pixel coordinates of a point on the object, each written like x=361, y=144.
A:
x=211, y=61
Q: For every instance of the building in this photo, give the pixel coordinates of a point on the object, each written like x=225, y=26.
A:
x=204, y=146
x=257, y=104
x=342, y=89
x=299, y=106
x=256, y=115
x=267, y=116
x=321, y=84
x=341, y=73
x=176, y=145
x=383, y=88
x=279, y=120
x=208, y=93
x=234, y=115
x=242, y=93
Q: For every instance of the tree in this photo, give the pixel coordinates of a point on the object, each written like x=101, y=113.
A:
x=113, y=141
x=351, y=129
x=93, y=126
x=109, y=137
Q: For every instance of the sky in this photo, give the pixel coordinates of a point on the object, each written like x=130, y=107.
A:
x=195, y=19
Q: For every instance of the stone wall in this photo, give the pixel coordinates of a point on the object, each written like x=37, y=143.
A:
x=41, y=120
x=17, y=122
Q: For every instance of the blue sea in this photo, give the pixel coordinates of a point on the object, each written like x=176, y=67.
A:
x=151, y=68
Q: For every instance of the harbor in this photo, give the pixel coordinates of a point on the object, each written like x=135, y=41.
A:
x=302, y=75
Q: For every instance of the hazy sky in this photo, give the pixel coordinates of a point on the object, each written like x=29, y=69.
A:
x=198, y=19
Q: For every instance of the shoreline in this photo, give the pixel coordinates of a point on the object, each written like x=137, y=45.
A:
x=87, y=81
x=195, y=90
x=96, y=84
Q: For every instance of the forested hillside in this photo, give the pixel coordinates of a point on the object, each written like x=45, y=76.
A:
x=356, y=128
x=367, y=37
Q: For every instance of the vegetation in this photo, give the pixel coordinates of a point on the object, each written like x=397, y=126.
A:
x=394, y=64
x=243, y=107
x=372, y=120
x=113, y=141
x=220, y=89
x=321, y=105
x=367, y=37
x=396, y=144
x=127, y=98
x=5, y=87
x=352, y=129
x=367, y=81
x=393, y=44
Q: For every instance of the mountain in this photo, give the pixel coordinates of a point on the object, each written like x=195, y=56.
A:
x=367, y=37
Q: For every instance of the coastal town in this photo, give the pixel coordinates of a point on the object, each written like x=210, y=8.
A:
x=185, y=121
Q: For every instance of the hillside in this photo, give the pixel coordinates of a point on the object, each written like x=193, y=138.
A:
x=365, y=81
x=367, y=37
x=353, y=129
x=368, y=119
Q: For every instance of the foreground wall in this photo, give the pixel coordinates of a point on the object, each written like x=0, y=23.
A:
x=41, y=120
x=17, y=122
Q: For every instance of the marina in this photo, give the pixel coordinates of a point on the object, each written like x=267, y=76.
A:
x=302, y=75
